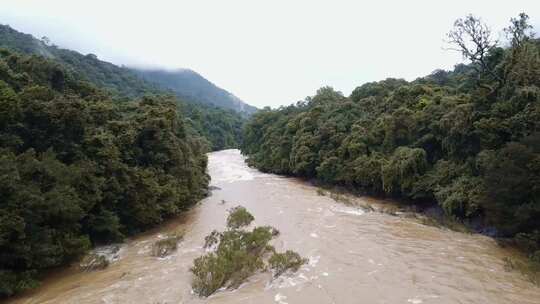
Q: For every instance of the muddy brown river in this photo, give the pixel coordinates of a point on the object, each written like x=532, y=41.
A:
x=354, y=256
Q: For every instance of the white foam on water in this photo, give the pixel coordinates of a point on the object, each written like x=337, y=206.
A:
x=346, y=210
x=279, y=298
x=229, y=169
x=314, y=260
x=314, y=235
x=231, y=173
x=189, y=250
x=141, y=243
x=112, y=253
x=166, y=258
x=108, y=299
x=289, y=281
x=144, y=250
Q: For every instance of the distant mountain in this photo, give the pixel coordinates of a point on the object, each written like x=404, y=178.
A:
x=190, y=85
x=118, y=80
x=124, y=81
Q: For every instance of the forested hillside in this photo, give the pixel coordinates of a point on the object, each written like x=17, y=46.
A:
x=78, y=168
x=118, y=80
x=189, y=85
x=222, y=128
x=467, y=139
x=213, y=106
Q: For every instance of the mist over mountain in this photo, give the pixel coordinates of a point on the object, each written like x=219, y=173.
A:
x=190, y=85
x=124, y=81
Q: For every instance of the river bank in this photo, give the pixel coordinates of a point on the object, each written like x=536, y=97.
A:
x=354, y=255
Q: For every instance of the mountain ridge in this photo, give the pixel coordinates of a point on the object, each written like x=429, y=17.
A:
x=123, y=80
x=189, y=84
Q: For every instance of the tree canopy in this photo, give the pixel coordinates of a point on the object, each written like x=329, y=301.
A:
x=211, y=111
x=467, y=139
x=78, y=168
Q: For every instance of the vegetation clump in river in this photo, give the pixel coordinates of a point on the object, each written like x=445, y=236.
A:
x=282, y=262
x=236, y=254
x=94, y=261
x=164, y=247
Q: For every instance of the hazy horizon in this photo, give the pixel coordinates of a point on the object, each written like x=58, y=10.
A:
x=267, y=54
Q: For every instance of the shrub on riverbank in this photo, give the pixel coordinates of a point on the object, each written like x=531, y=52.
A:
x=237, y=254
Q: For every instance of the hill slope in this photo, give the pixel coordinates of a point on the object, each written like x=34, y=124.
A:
x=123, y=81
x=220, y=123
x=191, y=85
x=118, y=80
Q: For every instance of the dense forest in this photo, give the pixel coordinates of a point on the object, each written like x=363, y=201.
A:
x=118, y=80
x=79, y=168
x=91, y=153
x=220, y=127
x=467, y=139
x=212, y=112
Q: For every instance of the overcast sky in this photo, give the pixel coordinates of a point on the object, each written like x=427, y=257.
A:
x=267, y=53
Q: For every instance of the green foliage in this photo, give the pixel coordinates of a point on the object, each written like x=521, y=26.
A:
x=467, y=139
x=221, y=127
x=462, y=198
x=512, y=178
x=190, y=86
x=529, y=268
x=167, y=245
x=403, y=169
x=79, y=168
x=210, y=111
x=94, y=262
x=239, y=217
x=289, y=260
x=237, y=254
x=118, y=80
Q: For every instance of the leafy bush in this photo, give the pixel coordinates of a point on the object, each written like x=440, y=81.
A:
x=289, y=260
x=94, y=262
x=237, y=254
x=167, y=245
x=239, y=217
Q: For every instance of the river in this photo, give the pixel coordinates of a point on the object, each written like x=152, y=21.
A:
x=354, y=256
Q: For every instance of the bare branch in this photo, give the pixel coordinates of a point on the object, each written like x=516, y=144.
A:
x=473, y=39
x=519, y=30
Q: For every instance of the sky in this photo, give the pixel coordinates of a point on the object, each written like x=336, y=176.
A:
x=268, y=53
